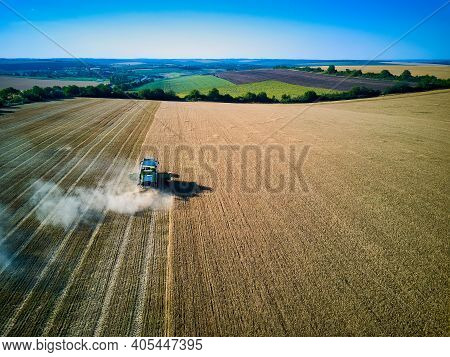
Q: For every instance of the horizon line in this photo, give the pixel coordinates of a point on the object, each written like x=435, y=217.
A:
x=227, y=58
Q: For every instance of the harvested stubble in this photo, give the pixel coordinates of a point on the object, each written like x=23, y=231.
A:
x=363, y=253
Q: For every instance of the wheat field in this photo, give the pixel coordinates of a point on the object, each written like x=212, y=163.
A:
x=440, y=71
x=306, y=220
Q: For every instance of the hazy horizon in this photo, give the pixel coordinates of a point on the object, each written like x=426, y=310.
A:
x=230, y=58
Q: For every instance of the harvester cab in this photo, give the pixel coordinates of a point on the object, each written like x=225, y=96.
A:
x=149, y=176
x=148, y=173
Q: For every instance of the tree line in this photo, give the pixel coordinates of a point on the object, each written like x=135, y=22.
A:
x=11, y=96
x=426, y=82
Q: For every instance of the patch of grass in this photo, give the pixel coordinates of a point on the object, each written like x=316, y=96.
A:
x=272, y=88
x=187, y=83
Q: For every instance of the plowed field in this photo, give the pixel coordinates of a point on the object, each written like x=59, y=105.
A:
x=306, y=79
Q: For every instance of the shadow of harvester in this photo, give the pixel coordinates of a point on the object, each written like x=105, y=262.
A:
x=171, y=184
x=183, y=190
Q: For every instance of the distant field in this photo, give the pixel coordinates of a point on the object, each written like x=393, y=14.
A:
x=303, y=79
x=84, y=79
x=22, y=83
x=187, y=83
x=438, y=71
x=163, y=72
x=170, y=72
x=272, y=88
x=166, y=75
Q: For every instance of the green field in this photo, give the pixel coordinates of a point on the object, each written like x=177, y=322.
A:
x=187, y=83
x=204, y=83
x=272, y=88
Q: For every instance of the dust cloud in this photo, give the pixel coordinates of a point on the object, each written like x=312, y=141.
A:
x=59, y=208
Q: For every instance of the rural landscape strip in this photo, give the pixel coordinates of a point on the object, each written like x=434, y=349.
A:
x=26, y=139
x=99, y=329
x=353, y=87
x=39, y=114
x=100, y=326
x=81, y=118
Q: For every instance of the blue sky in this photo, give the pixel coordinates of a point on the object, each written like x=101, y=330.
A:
x=226, y=29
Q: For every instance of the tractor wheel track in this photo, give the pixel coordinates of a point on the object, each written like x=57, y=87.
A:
x=35, y=232
x=42, y=128
x=71, y=280
x=38, y=111
x=97, y=142
x=53, y=143
x=69, y=316
x=47, y=166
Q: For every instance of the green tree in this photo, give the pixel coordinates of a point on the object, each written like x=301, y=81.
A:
x=310, y=96
x=331, y=69
x=249, y=97
x=398, y=88
x=171, y=95
x=103, y=90
x=386, y=74
x=8, y=93
x=89, y=91
x=228, y=98
x=262, y=98
x=361, y=92
x=71, y=91
x=35, y=94
x=194, y=95
x=57, y=92
x=286, y=98
x=214, y=95
x=406, y=75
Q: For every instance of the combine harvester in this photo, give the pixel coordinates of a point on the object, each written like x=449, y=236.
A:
x=150, y=177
